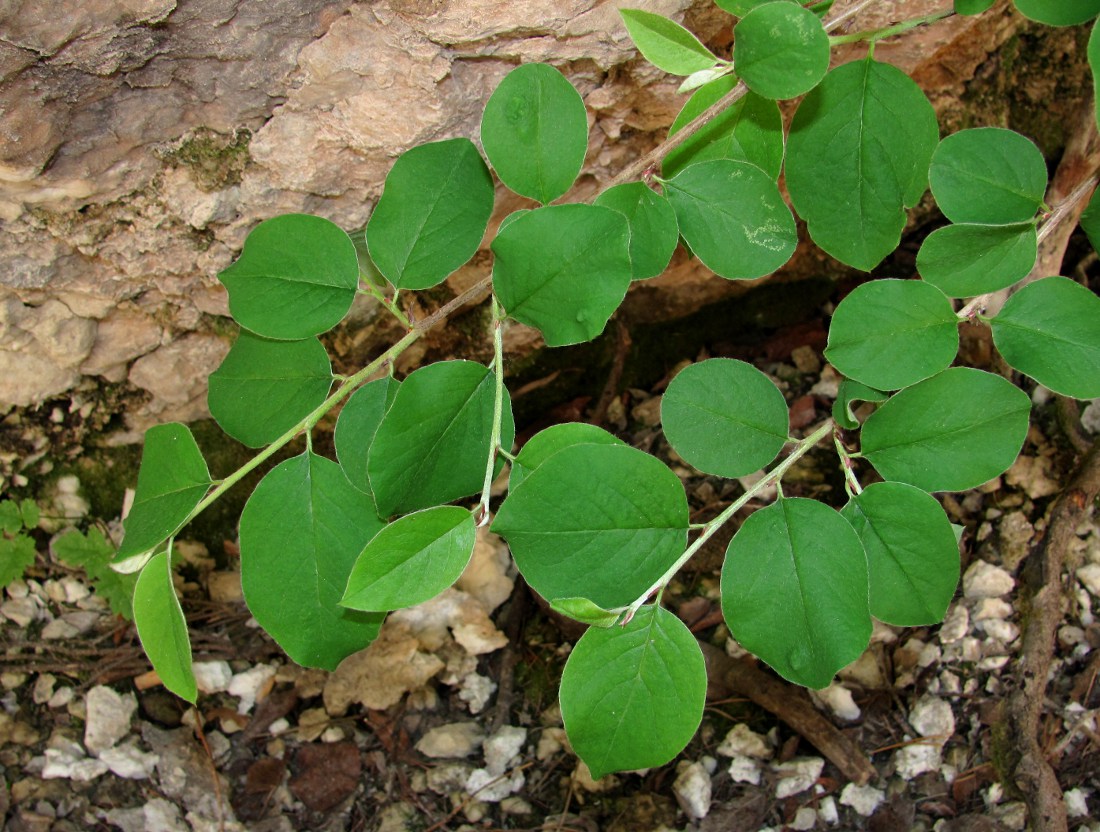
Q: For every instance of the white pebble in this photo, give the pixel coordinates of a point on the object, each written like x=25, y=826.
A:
x=955, y=625
x=1089, y=577
x=864, y=799
x=743, y=741
x=827, y=809
x=503, y=748
x=1004, y=631
x=804, y=819
x=992, y=608
x=798, y=775
x=246, y=686
x=744, y=769
x=108, y=718
x=453, y=741
x=692, y=790
x=993, y=662
x=984, y=580
x=212, y=677
x=129, y=761
x=1077, y=803
x=839, y=700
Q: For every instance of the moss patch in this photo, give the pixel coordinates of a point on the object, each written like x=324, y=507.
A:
x=215, y=160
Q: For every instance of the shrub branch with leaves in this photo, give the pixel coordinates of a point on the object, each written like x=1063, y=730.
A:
x=596, y=527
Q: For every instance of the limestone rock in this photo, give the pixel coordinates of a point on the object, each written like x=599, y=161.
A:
x=108, y=718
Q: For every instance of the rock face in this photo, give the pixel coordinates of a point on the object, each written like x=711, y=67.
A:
x=142, y=139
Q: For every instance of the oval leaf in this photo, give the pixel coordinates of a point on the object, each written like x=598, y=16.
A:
x=296, y=277
x=563, y=270
x=632, y=697
x=973, y=6
x=264, y=388
x=725, y=417
x=964, y=261
x=599, y=521
x=1059, y=12
x=652, y=224
x=988, y=175
x=740, y=8
x=666, y=44
x=432, y=214
x=749, y=130
x=172, y=480
x=1093, y=53
x=733, y=217
x=952, y=432
x=433, y=443
x=583, y=610
x=1050, y=330
x=355, y=428
x=890, y=334
x=880, y=131
x=412, y=560
x=163, y=629
x=548, y=442
x=301, y=531
x=535, y=132
x=794, y=590
x=912, y=554
x=781, y=50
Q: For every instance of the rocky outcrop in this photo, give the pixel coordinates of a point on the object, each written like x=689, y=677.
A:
x=141, y=140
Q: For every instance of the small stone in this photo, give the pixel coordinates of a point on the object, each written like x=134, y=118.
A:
x=64, y=764
x=993, y=662
x=744, y=769
x=989, y=608
x=804, y=819
x=984, y=580
x=692, y=790
x=61, y=697
x=334, y=733
x=59, y=628
x=864, y=799
x=11, y=680
x=129, y=761
x=1077, y=805
x=43, y=688
x=212, y=677
x=828, y=811
x=743, y=741
x=1004, y=631
x=476, y=691
x=839, y=700
x=21, y=612
x=648, y=413
x=108, y=718
x=516, y=806
x=74, y=590
x=1089, y=578
x=955, y=625
x=250, y=685
x=453, y=741
x=493, y=788
x=447, y=778
x=865, y=672
x=582, y=779
x=224, y=587
x=551, y=741
x=503, y=747
x=932, y=717
x=797, y=775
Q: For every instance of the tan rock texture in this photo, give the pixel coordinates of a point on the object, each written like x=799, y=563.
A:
x=140, y=140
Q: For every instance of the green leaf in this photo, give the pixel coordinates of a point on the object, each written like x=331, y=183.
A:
x=725, y=417
x=964, y=261
x=163, y=629
x=794, y=590
x=652, y=223
x=433, y=443
x=952, y=432
x=912, y=553
x=535, y=132
x=893, y=333
x=93, y=553
x=411, y=560
x=1093, y=53
x=1059, y=12
x=11, y=518
x=1050, y=330
x=849, y=393
x=857, y=156
x=703, y=77
x=355, y=428
x=733, y=217
x=740, y=8
x=172, y=480
x=632, y=697
x=599, y=521
x=301, y=531
x=296, y=277
x=563, y=270
x=988, y=175
x=28, y=511
x=666, y=44
x=432, y=214
x=548, y=442
x=263, y=388
x=1090, y=220
x=16, y=554
x=781, y=50
x=583, y=610
x=749, y=130
x=973, y=6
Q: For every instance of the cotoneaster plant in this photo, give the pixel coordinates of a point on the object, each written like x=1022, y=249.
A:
x=596, y=527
